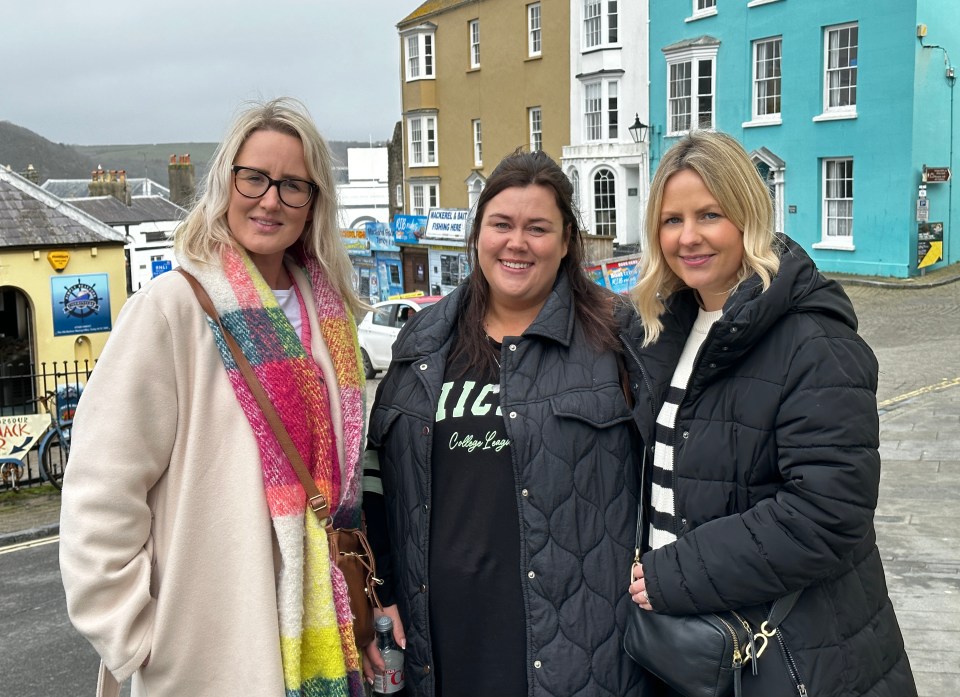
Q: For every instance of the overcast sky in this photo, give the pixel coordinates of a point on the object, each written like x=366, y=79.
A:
x=127, y=71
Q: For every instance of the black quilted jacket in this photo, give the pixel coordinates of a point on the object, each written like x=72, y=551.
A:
x=575, y=462
x=776, y=475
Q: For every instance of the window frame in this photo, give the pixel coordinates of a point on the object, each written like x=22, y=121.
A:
x=535, y=130
x=694, y=58
x=772, y=116
x=593, y=111
x=419, y=151
x=428, y=194
x=599, y=24
x=421, y=65
x=836, y=240
x=603, y=123
x=702, y=8
x=534, y=33
x=477, y=131
x=473, y=33
x=840, y=110
x=609, y=196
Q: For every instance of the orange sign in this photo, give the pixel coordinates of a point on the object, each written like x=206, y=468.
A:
x=58, y=259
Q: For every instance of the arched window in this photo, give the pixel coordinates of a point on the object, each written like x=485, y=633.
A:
x=605, y=203
x=575, y=181
x=474, y=193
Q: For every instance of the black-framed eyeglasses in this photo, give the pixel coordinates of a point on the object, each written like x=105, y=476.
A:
x=252, y=183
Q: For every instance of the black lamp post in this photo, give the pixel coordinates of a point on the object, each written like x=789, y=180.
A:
x=638, y=131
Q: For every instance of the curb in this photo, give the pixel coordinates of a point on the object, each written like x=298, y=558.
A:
x=846, y=281
x=38, y=533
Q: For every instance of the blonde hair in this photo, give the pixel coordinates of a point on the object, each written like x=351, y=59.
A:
x=204, y=233
x=732, y=179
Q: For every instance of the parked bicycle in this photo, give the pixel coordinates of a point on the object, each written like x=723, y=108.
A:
x=48, y=430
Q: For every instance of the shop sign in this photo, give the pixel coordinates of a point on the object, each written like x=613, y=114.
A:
x=447, y=224
x=409, y=229
x=81, y=304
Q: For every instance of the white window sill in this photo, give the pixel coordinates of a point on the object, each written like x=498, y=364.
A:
x=701, y=15
x=757, y=122
x=418, y=79
x=423, y=164
x=836, y=245
x=601, y=47
x=757, y=3
x=835, y=116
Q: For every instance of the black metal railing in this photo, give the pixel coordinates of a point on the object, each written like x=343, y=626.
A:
x=23, y=386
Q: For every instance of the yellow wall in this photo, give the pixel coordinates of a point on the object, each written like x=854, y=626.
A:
x=29, y=271
x=498, y=93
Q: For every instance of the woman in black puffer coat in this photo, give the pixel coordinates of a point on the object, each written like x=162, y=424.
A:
x=756, y=400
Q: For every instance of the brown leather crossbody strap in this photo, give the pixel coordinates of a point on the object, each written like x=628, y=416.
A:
x=317, y=501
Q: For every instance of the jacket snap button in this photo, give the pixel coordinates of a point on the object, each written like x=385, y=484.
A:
x=426, y=507
x=423, y=588
x=537, y=664
x=686, y=434
x=423, y=366
x=733, y=330
x=525, y=492
x=713, y=365
x=513, y=414
x=513, y=347
x=531, y=574
x=426, y=430
x=683, y=521
x=426, y=670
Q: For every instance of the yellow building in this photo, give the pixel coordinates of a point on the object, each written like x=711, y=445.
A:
x=62, y=284
x=480, y=78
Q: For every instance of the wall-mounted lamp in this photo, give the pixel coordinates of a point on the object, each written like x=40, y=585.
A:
x=638, y=131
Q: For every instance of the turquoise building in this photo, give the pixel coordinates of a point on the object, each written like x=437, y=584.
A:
x=847, y=107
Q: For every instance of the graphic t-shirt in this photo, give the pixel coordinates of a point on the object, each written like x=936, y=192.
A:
x=476, y=607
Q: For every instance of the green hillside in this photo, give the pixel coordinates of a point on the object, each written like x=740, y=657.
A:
x=20, y=147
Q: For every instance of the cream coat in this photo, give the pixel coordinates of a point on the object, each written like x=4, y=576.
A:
x=166, y=543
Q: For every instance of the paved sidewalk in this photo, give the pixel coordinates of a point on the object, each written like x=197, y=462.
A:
x=30, y=514
x=918, y=528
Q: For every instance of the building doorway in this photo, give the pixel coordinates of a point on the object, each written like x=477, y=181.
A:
x=17, y=352
x=771, y=169
x=415, y=271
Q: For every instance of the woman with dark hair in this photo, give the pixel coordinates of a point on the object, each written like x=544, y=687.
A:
x=756, y=402
x=501, y=443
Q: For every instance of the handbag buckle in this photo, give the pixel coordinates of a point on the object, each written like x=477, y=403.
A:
x=759, y=638
x=318, y=504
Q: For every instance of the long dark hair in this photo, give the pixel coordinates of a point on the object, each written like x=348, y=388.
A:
x=593, y=305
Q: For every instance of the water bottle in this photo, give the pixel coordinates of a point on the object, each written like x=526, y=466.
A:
x=391, y=680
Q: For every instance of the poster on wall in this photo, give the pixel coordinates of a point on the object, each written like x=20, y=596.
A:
x=81, y=304
x=409, y=229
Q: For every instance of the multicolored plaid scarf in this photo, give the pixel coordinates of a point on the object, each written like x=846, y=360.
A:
x=319, y=653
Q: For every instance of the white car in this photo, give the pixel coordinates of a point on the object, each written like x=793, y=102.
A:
x=379, y=328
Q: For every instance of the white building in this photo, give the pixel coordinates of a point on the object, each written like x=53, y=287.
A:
x=147, y=222
x=609, y=92
x=364, y=197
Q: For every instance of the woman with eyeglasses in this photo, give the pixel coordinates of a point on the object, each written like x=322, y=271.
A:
x=189, y=558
